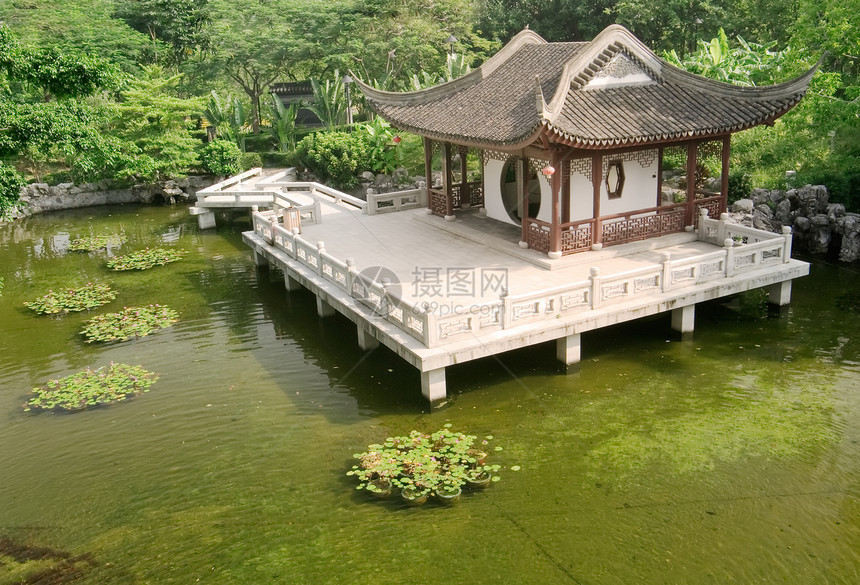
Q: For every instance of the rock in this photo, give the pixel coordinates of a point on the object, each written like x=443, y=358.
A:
x=783, y=212
x=382, y=179
x=763, y=211
x=742, y=206
x=760, y=196
x=802, y=224
x=400, y=176
x=367, y=177
x=835, y=210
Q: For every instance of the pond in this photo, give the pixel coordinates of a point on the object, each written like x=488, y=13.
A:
x=731, y=456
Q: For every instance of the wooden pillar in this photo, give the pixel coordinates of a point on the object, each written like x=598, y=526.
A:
x=596, y=181
x=692, y=159
x=565, y=191
x=465, y=196
x=555, y=224
x=428, y=170
x=724, y=184
x=446, y=181
x=659, y=177
x=522, y=171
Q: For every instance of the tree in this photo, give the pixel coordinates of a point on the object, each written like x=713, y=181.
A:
x=157, y=122
x=181, y=24
x=78, y=26
x=555, y=20
x=746, y=64
x=282, y=124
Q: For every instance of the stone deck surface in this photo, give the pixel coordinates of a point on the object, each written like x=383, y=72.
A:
x=419, y=247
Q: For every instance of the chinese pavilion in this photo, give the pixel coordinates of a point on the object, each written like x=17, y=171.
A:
x=573, y=139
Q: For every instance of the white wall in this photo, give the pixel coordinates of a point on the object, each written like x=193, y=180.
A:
x=640, y=183
x=493, y=191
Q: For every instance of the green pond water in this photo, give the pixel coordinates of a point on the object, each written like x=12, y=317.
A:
x=728, y=457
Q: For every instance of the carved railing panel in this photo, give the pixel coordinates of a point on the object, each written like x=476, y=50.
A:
x=537, y=235
x=576, y=237
x=659, y=221
x=438, y=205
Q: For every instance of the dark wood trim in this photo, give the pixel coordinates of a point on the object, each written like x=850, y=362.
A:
x=596, y=182
x=555, y=186
x=523, y=171
x=446, y=179
x=724, y=183
x=565, y=190
x=692, y=159
x=659, y=176
x=428, y=169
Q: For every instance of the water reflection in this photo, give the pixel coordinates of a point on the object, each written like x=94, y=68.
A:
x=730, y=457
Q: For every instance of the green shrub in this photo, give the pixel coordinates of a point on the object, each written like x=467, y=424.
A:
x=740, y=185
x=221, y=157
x=251, y=160
x=10, y=186
x=334, y=157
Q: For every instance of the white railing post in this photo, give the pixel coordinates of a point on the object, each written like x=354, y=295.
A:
x=786, y=249
x=506, y=315
x=667, y=270
x=729, y=244
x=594, y=276
x=703, y=229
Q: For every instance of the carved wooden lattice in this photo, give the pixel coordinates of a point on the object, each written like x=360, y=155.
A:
x=488, y=155
x=639, y=228
x=537, y=165
x=438, y=205
x=576, y=238
x=476, y=191
x=581, y=166
x=537, y=236
x=456, y=199
x=712, y=204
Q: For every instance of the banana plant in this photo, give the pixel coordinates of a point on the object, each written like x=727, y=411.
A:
x=282, y=123
x=329, y=102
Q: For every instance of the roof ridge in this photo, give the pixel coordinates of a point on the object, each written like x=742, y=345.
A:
x=422, y=96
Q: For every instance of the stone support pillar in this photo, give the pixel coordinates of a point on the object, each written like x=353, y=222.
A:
x=433, y=386
x=684, y=319
x=260, y=259
x=366, y=341
x=290, y=283
x=206, y=220
x=569, y=349
x=323, y=308
x=780, y=293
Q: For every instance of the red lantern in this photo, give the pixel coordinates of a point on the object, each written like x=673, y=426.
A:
x=396, y=140
x=548, y=170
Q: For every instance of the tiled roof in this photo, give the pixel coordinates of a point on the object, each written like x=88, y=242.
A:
x=610, y=92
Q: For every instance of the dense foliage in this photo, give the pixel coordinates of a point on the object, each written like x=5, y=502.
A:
x=335, y=157
x=91, y=388
x=124, y=89
x=128, y=323
x=89, y=296
x=221, y=157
